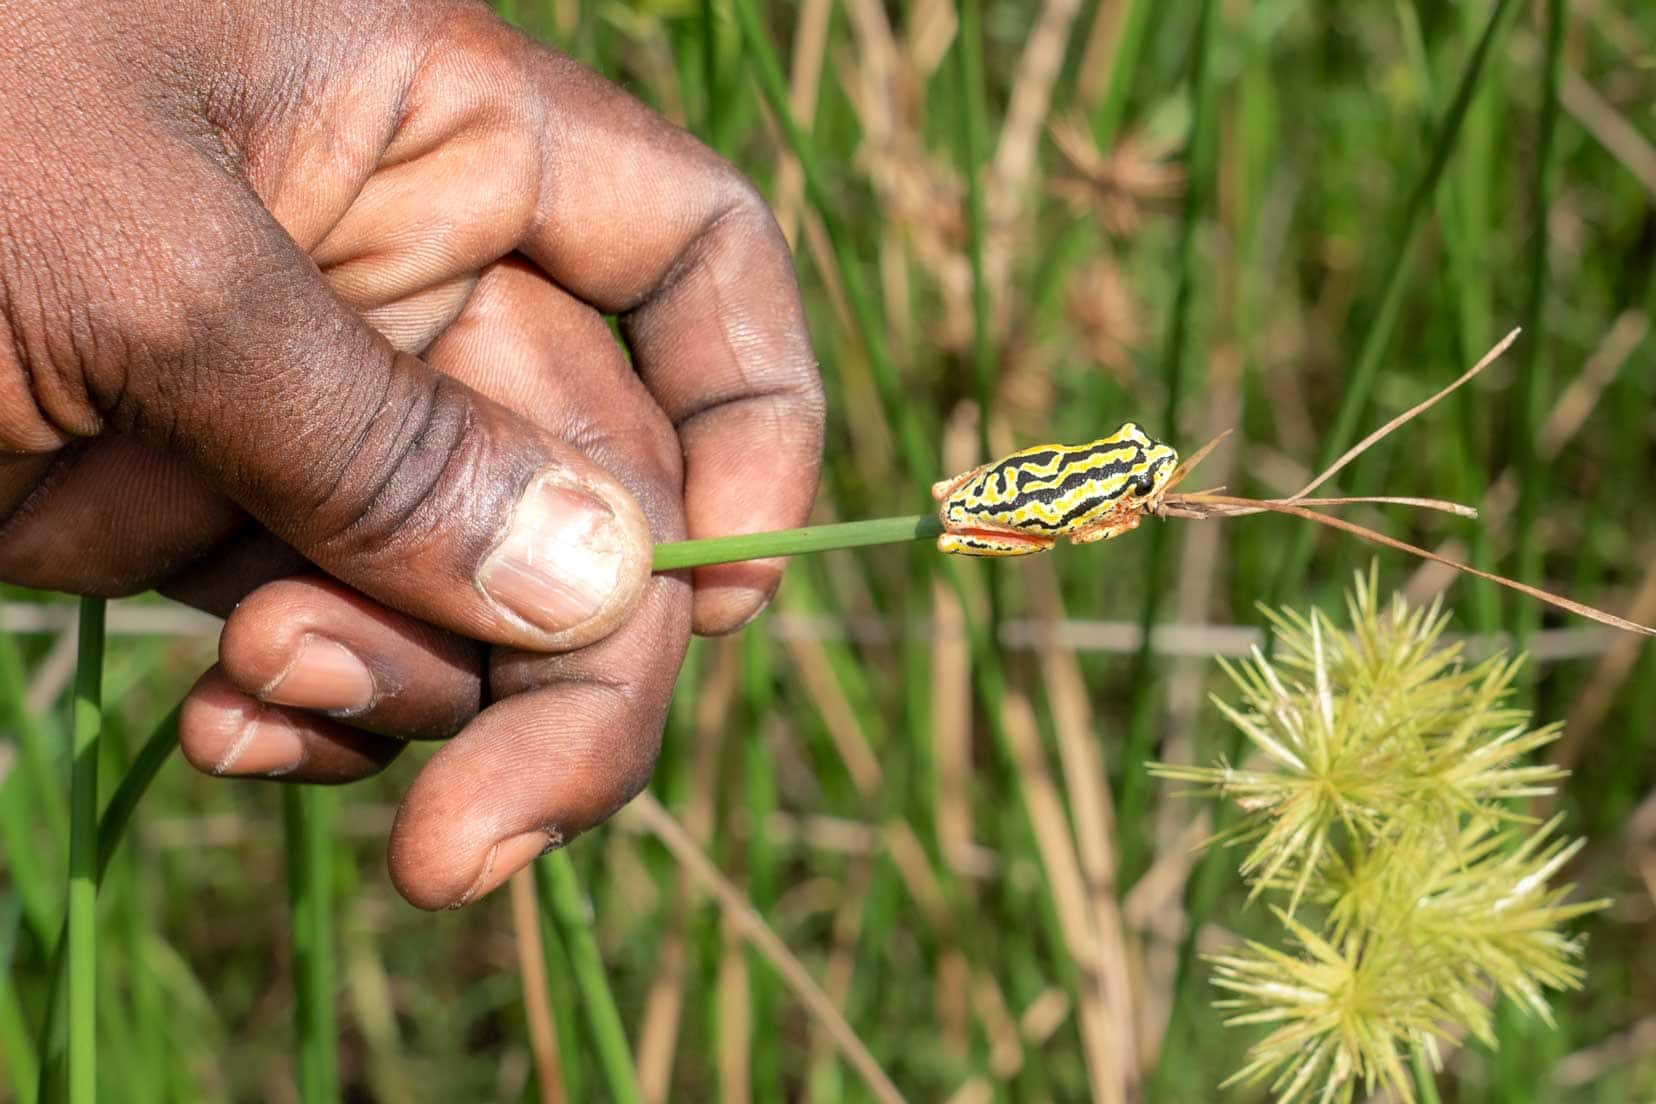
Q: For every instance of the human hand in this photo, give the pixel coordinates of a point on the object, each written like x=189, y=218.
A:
x=186, y=401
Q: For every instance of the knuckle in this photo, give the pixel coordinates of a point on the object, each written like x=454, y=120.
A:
x=410, y=438
x=419, y=461
x=34, y=416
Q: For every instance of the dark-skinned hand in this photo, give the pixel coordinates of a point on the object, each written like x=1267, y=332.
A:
x=304, y=309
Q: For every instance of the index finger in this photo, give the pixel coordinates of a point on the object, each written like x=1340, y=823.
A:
x=639, y=219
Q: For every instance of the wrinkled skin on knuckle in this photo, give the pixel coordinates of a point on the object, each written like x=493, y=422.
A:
x=51, y=292
x=427, y=451
x=34, y=418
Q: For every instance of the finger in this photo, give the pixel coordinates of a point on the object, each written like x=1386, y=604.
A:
x=638, y=218
x=539, y=351
x=410, y=487
x=234, y=568
x=108, y=516
x=226, y=733
x=570, y=738
x=311, y=643
x=568, y=744
x=315, y=644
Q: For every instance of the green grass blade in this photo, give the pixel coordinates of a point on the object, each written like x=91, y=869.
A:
x=1534, y=389
x=22, y=1067
x=1124, y=64
x=117, y=814
x=904, y=415
x=306, y=814
x=565, y=1001
x=112, y=826
x=973, y=126
x=1424, y=1079
x=712, y=116
x=83, y=857
x=561, y=896
x=1360, y=383
x=39, y=892
x=17, y=1049
x=37, y=746
x=1199, y=193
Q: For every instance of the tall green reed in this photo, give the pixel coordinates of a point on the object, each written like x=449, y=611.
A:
x=560, y=892
x=307, y=816
x=1359, y=383
x=83, y=857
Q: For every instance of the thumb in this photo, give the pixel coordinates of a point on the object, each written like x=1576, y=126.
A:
x=397, y=480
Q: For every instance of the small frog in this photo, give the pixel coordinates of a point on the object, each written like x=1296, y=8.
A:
x=1024, y=502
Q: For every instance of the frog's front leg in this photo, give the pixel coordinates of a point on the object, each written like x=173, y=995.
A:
x=1117, y=523
x=992, y=542
x=943, y=488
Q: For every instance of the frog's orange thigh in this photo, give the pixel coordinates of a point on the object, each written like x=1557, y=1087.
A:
x=991, y=544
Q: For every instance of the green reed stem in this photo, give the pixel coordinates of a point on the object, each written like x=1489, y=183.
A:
x=1534, y=390
x=306, y=818
x=795, y=542
x=710, y=70
x=112, y=828
x=1201, y=170
x=561, y=897
x=1360, y=383
x=912, y=435
x=21, y=1062
x=37, y=747
x=974, y=125
x=1464, y=215
x=1425, y=1080
x=1112, y=109
x=134, y=784
x=83, y=856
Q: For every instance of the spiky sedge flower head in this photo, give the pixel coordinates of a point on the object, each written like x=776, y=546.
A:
x=1378, y=812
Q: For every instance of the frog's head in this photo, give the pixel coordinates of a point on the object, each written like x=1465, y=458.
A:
x=1160, y=463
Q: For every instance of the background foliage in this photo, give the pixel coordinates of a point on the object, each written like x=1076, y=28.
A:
x=1266, y=214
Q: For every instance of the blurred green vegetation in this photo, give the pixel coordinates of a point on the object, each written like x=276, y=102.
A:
x=1202, y=214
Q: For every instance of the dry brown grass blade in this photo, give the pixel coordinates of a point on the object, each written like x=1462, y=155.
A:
x=1612, y=670
x=1215, y=505
x=1189, y=463
x=658, y=1037
x=804, y=75
x=742, y=918
x=1015, y=157
x=1206, y=504
x=537, y=1003
x=1086, y=782
x=1569, y=605
x=1100, y=1040
x=734, y=996
x=842, y=958
x=838, y=715
x=1425, y=404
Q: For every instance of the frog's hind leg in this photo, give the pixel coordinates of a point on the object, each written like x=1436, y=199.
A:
x=979, y=543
